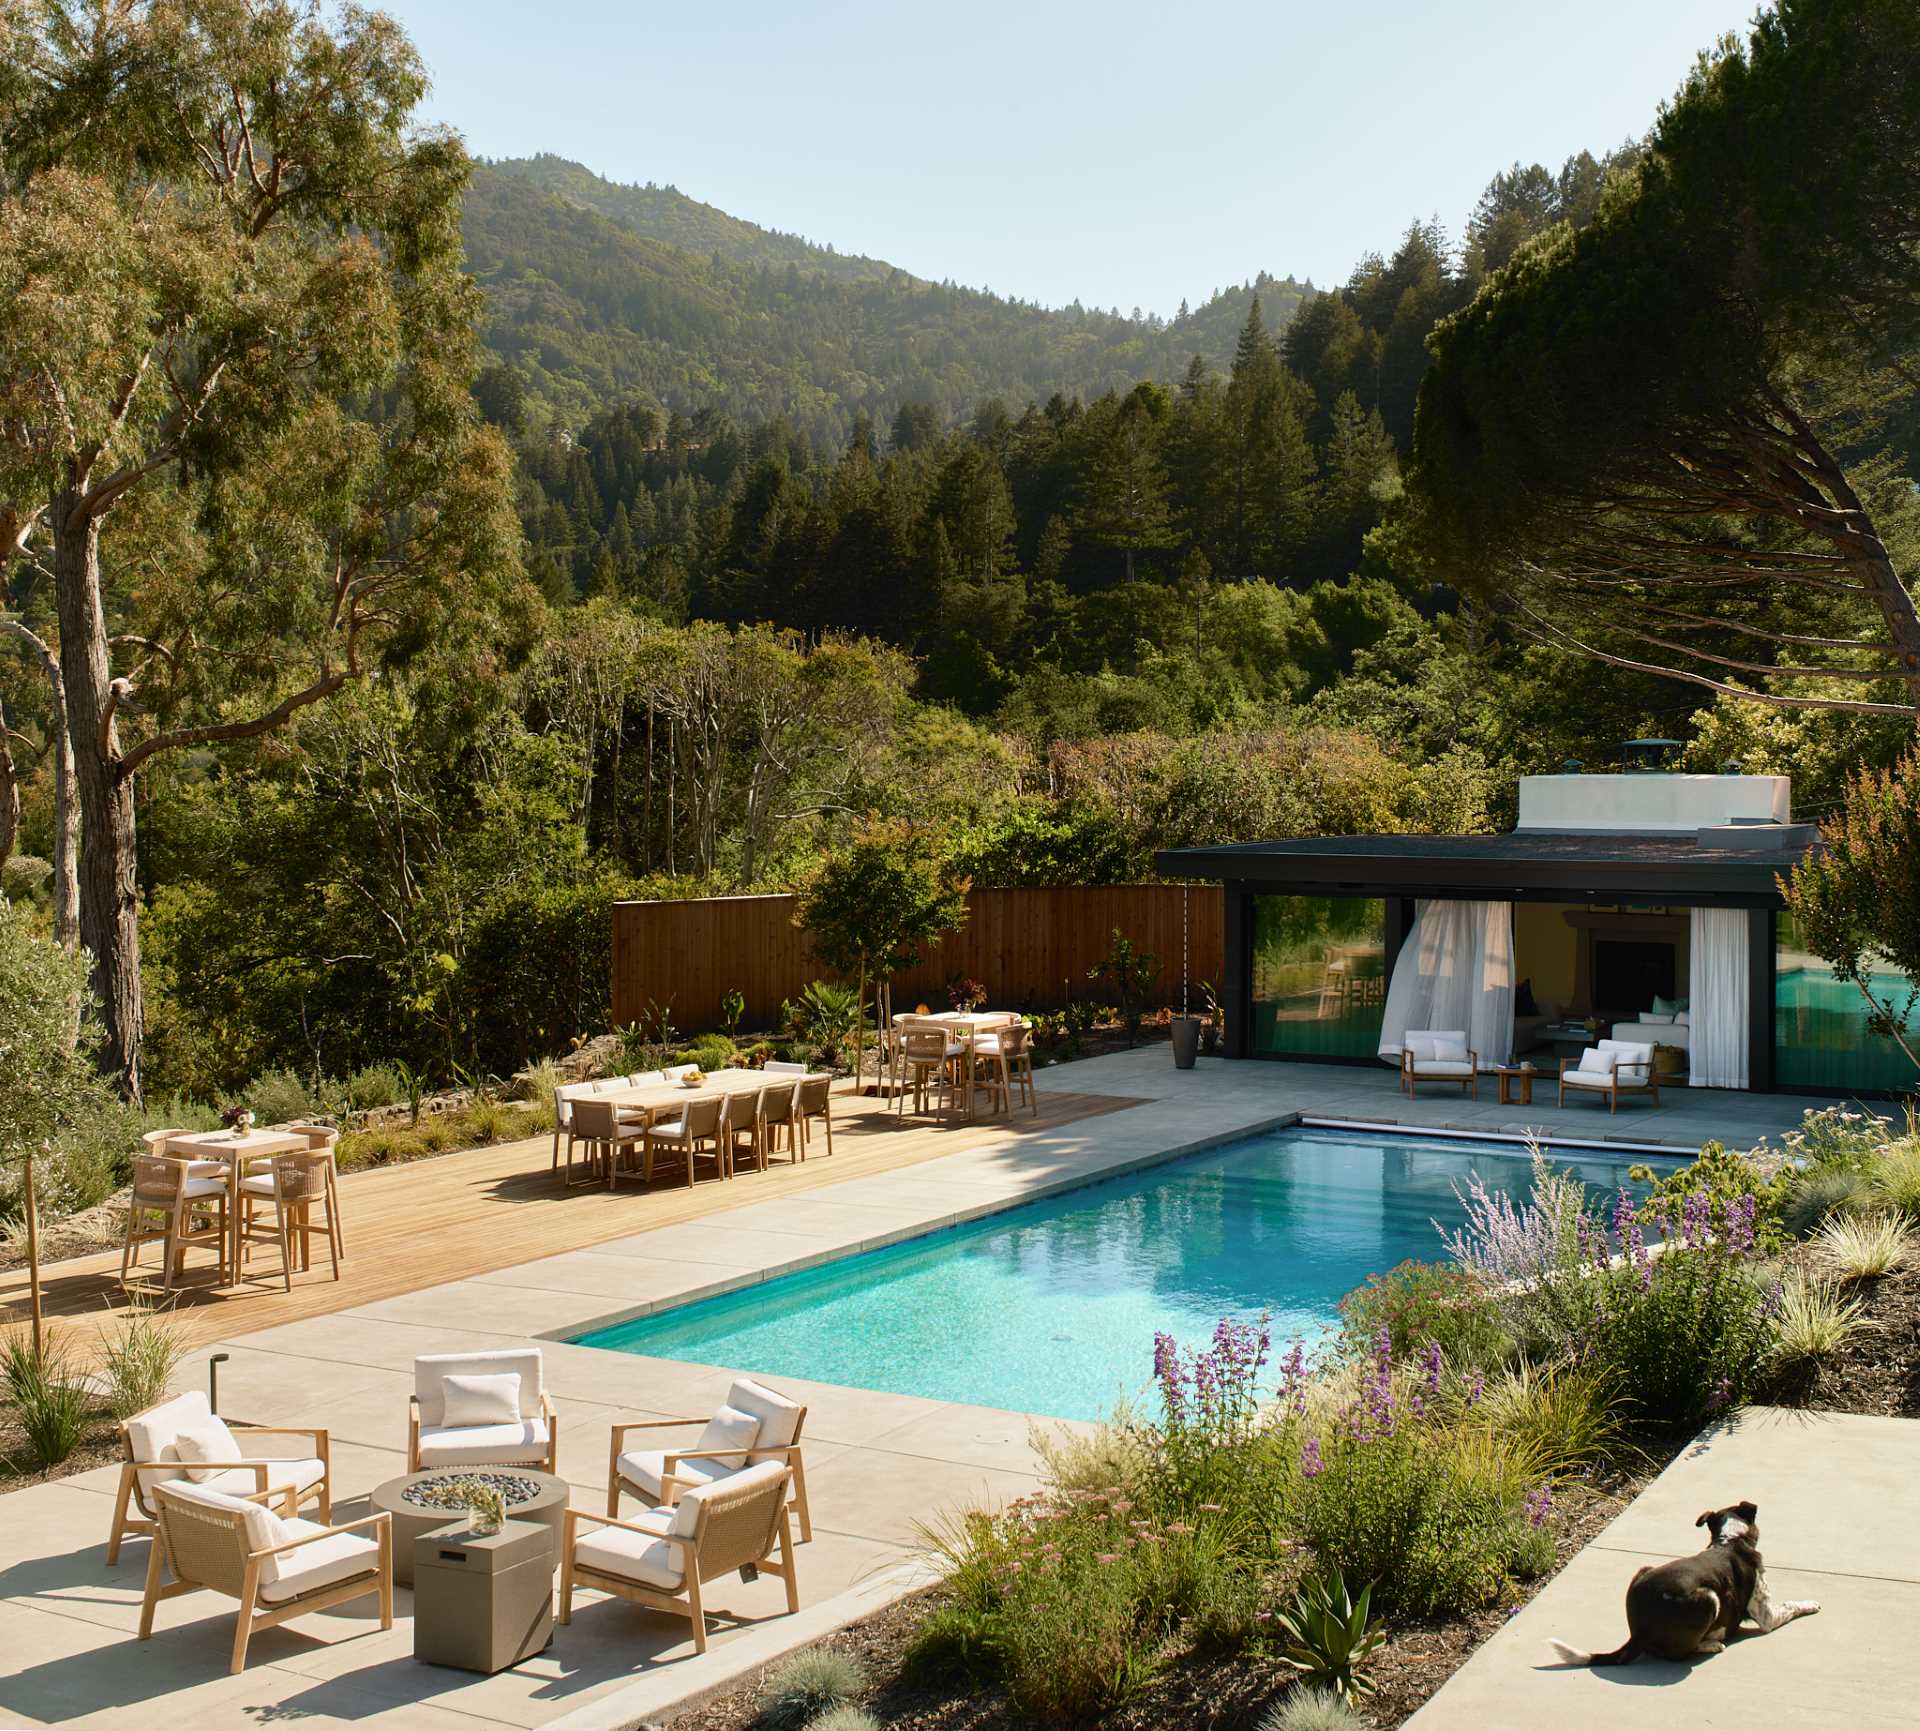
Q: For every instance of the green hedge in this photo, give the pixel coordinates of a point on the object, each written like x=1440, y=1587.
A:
x=538, y=971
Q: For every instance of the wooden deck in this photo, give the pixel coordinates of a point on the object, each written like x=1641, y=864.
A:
x=459, y=1215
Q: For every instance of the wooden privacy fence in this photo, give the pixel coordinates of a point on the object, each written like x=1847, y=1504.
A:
x=1028, y=947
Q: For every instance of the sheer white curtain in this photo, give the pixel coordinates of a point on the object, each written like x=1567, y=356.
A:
x=1717, y=991
x=1455, y=971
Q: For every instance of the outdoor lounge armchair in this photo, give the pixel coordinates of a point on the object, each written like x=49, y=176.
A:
x=1438, y=1055
x=756, y=1425
x=463, y=1414
x=1612, y=1068
x=163, y=1445
x=277, y=1569
x=662, y=1559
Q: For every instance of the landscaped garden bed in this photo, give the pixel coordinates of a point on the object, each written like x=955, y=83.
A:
x=1279, y=1531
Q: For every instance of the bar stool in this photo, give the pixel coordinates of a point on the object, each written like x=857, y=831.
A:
x=291, y=1186
x=170, y=1205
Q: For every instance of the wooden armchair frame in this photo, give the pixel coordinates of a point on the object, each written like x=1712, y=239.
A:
x=192, y=1550
x=671, y=1486
x=548, y=1411
x=132, y=1496
x=714, y=1548
x=1615, y=1087
x=1411, y=1073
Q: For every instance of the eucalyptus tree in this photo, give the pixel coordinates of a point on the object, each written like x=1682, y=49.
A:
x=1675, y=439
x=236, y=350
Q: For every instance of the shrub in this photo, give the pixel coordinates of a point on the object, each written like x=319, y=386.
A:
x=1559, y=1417
x=139, y=1358
x=485, y=1121
x=1423, y=1304
x=1329, y=1637
x=957, y=1644
x=828, y=1016
x=844, y=1719
x=813, y=1681
x=1819, y=1194
x=1723, y=1178
x=710, y=1052
x=534, y=1086
x=1131, y=973
x=56, y=1408
x=1896, y=1180
x=1813, y=1321
x=1838, y=1138
x=1864, y=1247
x=279, y=1097
x=371, y=1086
x=1531, y=1255
x=1307, y=1709
x=537, y=969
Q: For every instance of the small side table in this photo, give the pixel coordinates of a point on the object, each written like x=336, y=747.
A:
x=482, y=1602
x=1515, y=1083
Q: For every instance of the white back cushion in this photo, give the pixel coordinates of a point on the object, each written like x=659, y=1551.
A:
x=1450, y=1049
x=779, y=1417
x=471, y=1400
x=1630, y=1051
x=209, y=1440
x=150, y=1434
x=430, y=1370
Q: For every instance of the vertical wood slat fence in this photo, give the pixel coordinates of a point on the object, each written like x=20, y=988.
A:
x=1028, y=947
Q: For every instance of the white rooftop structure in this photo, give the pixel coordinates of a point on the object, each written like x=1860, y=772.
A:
x=1651, y=803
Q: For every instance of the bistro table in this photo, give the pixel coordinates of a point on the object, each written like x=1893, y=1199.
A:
x=1516, y=1083
x=965, y=1025
x=238, y=1152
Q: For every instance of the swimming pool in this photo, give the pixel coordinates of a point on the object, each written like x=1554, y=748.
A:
x=1051, y=1307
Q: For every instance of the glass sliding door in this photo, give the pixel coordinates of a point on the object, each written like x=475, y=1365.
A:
x=1319, y=976
x=1820, y=1034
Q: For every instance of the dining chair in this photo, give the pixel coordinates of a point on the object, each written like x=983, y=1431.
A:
x=171, y=1206
x=815, y=1101
x=778, y=1110
x=599, y=1127
x=703, y=1122
x=325, y=1138
x=292, y=1186
x=931, y=1056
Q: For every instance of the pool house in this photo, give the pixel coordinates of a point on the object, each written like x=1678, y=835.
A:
x=1640, y=906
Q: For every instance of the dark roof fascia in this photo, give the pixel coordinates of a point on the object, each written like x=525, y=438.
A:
x=1721, y=880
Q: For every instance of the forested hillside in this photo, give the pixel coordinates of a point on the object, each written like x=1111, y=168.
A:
x=600, y=294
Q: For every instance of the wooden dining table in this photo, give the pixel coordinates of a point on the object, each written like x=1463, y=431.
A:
x=237, y=1153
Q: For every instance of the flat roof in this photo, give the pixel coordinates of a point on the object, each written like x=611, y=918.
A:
x=1524, y=865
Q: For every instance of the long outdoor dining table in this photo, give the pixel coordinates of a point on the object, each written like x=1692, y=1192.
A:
x=654, y=1098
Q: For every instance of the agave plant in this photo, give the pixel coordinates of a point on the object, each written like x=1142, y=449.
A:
x=1330, y=1638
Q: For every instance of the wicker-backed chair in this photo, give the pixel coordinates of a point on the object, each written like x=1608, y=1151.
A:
x=928, y=1054
x=292, y=1186
x=754, y=1426
x=1002, y=1061
x=178, y=1209
x=325, y=1139
x=665, y=1557
x=815, y=1101
x=277, y=1569
x=437, y=1437
x=260, y=1467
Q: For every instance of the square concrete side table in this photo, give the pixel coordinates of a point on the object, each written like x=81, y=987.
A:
x=482, y=1602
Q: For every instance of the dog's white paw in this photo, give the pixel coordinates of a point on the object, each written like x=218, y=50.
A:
x=1805, y=1607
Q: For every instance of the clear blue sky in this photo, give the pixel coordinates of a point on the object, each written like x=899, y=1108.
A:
x=1122, y=153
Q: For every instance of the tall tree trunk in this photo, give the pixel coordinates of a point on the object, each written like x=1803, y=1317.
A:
x=109, y=925
x=66, y=810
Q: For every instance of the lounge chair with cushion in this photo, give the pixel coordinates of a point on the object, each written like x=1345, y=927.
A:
x=471, y=1409
x=184, y=1441
x=757, y=1426
x=1438, y=1055
x=278, y=1569
x=1612, y=1068
x=662, y=1559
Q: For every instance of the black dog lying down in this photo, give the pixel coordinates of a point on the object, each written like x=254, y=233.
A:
x=1695, y=1604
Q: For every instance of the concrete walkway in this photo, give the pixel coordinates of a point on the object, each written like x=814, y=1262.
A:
x=878, y=1464
x=1839, y=1501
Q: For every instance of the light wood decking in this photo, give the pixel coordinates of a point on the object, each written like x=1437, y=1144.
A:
x=459, y=1215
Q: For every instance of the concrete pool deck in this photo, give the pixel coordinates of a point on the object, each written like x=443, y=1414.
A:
x=878, y=1464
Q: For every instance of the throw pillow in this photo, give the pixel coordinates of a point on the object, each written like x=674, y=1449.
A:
x=1449, y=1051
x=206, y=1439
x=1421, y=1045
x=1681, y=1019
x=1663, y=1007
x=474, y=1400
x=1649, y=1019
x=1596, y=1062
x=730, y=1428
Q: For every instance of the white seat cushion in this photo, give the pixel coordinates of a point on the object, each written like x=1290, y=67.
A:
x=258, y=1186
x=633, y=1557
x=481, y=1400
x=321, y=1564
x=200, y=1187
x=1442, y=1067
x=672, y=1130
x=281, y=1476
x=644, y=1469
x=1588, y=1078
x=483, y=1444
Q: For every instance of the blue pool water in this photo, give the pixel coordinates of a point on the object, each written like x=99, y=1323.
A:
x=1052, y=1307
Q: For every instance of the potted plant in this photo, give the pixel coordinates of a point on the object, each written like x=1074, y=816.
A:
x=487, y=1506
x=966, y=995
x=1213, y=1033
x=238, y=1119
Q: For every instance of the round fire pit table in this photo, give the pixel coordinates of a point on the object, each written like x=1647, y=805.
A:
x=529, y=1495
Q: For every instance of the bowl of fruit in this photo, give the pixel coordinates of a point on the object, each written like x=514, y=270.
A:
x=694, y=1079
